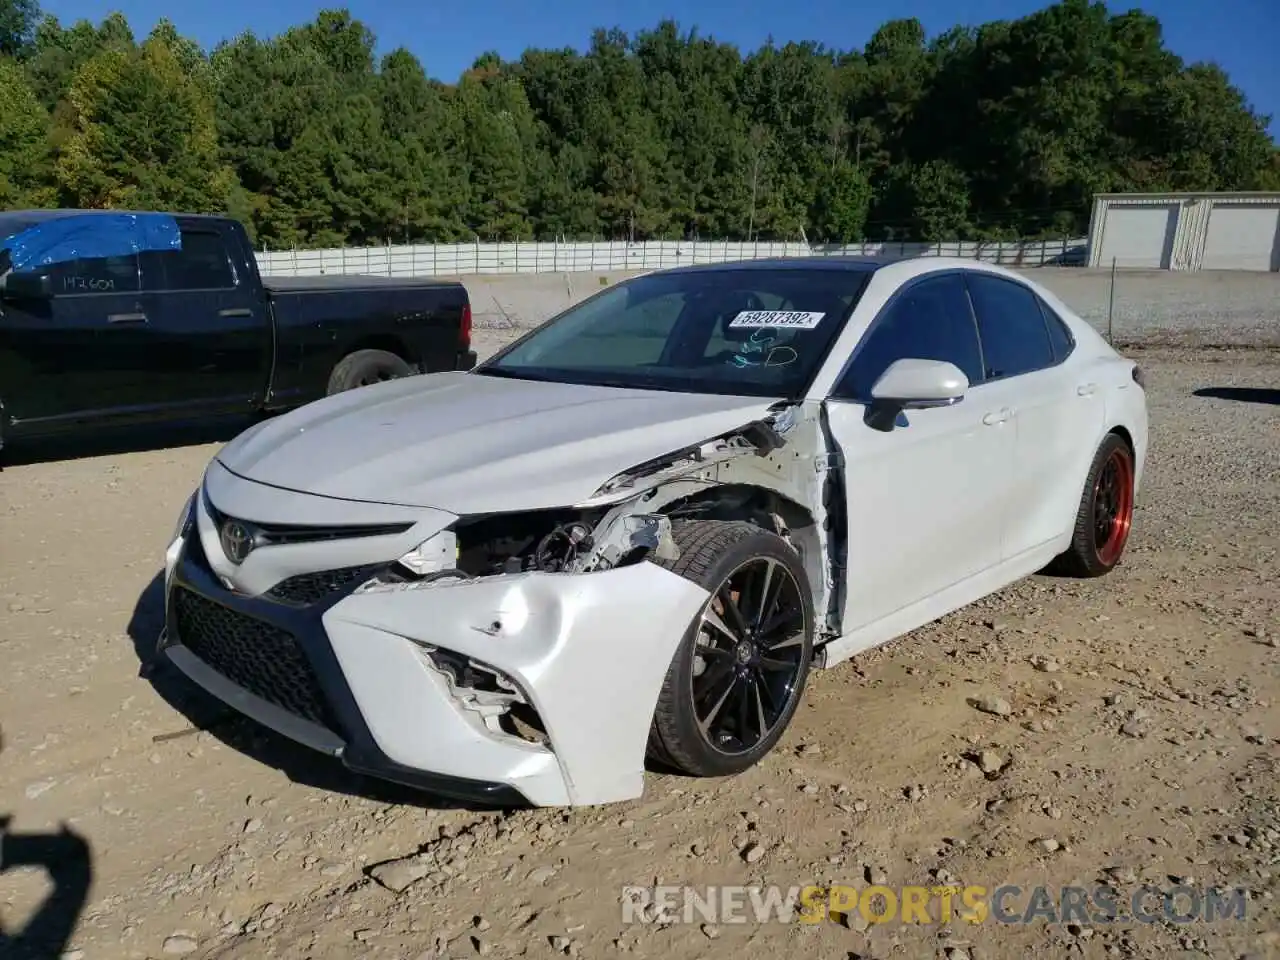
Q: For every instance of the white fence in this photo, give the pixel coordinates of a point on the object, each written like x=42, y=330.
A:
x=457, y=259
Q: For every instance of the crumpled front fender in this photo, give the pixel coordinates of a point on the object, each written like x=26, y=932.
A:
x=589, y=651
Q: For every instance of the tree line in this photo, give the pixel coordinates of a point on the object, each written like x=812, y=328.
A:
x=1000, y=131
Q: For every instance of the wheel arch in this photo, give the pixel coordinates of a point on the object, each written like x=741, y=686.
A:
x=768, y=509
x=1123, y=433
x=1135, y=440
x=741, y=501
x=380, y=341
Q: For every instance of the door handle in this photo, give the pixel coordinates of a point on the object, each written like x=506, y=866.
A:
x=236, y=312
x=1086, y=389
x=997, y=416
x=127, y=318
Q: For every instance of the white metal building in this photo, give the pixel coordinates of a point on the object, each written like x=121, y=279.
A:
x=1186, y=231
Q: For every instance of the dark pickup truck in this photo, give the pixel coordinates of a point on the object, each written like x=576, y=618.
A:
x=123, y=318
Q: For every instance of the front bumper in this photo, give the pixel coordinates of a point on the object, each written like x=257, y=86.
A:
x=351, y=673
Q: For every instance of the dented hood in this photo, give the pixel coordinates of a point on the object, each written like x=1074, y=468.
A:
x=468, y=443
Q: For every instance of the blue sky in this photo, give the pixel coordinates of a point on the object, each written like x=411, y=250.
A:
x=1243, y=36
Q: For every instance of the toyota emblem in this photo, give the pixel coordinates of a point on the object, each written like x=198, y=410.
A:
x=237, y=540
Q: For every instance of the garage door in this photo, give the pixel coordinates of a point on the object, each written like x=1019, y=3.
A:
x=1242, y=238
x=1138, y=235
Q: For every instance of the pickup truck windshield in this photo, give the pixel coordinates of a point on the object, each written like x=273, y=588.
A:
x=744, y=332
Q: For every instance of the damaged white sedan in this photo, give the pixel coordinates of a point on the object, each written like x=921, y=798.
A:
x=631, y=533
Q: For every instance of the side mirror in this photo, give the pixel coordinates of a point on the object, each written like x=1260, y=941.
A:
x=27, y=286
x=911, y=384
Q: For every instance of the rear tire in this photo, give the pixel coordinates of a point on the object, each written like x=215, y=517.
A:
x=738, y=675
x=365, y=367
x=1105, y=514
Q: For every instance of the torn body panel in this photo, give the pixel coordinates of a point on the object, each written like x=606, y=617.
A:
x=775, y=472
x=793, y=465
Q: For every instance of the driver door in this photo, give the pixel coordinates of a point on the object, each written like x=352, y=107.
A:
x=924, y=498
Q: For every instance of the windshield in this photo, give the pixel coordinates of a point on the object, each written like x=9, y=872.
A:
x=745, y=332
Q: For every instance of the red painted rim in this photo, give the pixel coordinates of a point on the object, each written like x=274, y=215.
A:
x=1113, y=506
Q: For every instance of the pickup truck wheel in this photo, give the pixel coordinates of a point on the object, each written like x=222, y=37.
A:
x=737, y=677
x=365, y=367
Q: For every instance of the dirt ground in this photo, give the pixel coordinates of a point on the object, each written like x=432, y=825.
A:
x=1139, y=747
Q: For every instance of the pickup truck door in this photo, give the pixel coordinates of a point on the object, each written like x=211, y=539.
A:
x=208, y=327
x=71, y=358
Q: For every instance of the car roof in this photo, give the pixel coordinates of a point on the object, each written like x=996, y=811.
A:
x=859, y=264
x=898, y=267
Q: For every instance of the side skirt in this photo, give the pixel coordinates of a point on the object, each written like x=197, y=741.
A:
x=953, y=598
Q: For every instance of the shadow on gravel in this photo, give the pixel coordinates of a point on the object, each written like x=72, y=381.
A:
x=1241, y=394
x=68, y=860
x=98, y=442
x=207, y=714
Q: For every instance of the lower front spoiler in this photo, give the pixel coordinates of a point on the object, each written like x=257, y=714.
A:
x=324, y=741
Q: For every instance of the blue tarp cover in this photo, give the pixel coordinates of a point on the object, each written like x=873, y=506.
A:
x=76, y=237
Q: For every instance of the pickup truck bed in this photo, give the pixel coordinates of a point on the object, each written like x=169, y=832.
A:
x=148, y=317
x=349, y=282
x=414, y=319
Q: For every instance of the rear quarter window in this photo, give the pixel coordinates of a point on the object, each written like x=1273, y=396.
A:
x=1060, y=337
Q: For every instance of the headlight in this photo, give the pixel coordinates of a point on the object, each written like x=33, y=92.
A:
x=429, y=562
x=185, y=519
x=439, y=552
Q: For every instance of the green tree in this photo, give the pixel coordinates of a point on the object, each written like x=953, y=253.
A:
x=17, y=26
x=426, y=153
x=499, y=134
x=57, y=54
x=25, y=160
x=928, y=201
x=141, y=135
x=841, y=203
x=995, y=130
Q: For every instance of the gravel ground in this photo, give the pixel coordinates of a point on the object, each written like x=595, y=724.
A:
x=1059, y=733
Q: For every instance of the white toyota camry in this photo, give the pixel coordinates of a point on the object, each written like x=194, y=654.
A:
x=631, y=533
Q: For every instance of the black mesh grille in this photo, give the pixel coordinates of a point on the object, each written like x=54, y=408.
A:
x=308, y=588
x=257, y=656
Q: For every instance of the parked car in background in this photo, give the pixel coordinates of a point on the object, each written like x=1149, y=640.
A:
x=633, y=531
x=126, y=318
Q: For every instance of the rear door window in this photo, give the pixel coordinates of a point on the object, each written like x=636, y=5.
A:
x=1015, y=338
x=201, y=264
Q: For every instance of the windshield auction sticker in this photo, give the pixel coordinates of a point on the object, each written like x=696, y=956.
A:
x=783, y=319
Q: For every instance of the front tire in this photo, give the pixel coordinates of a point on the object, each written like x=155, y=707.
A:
x=737, y=677
x=365, y=367
x=1105, y=514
